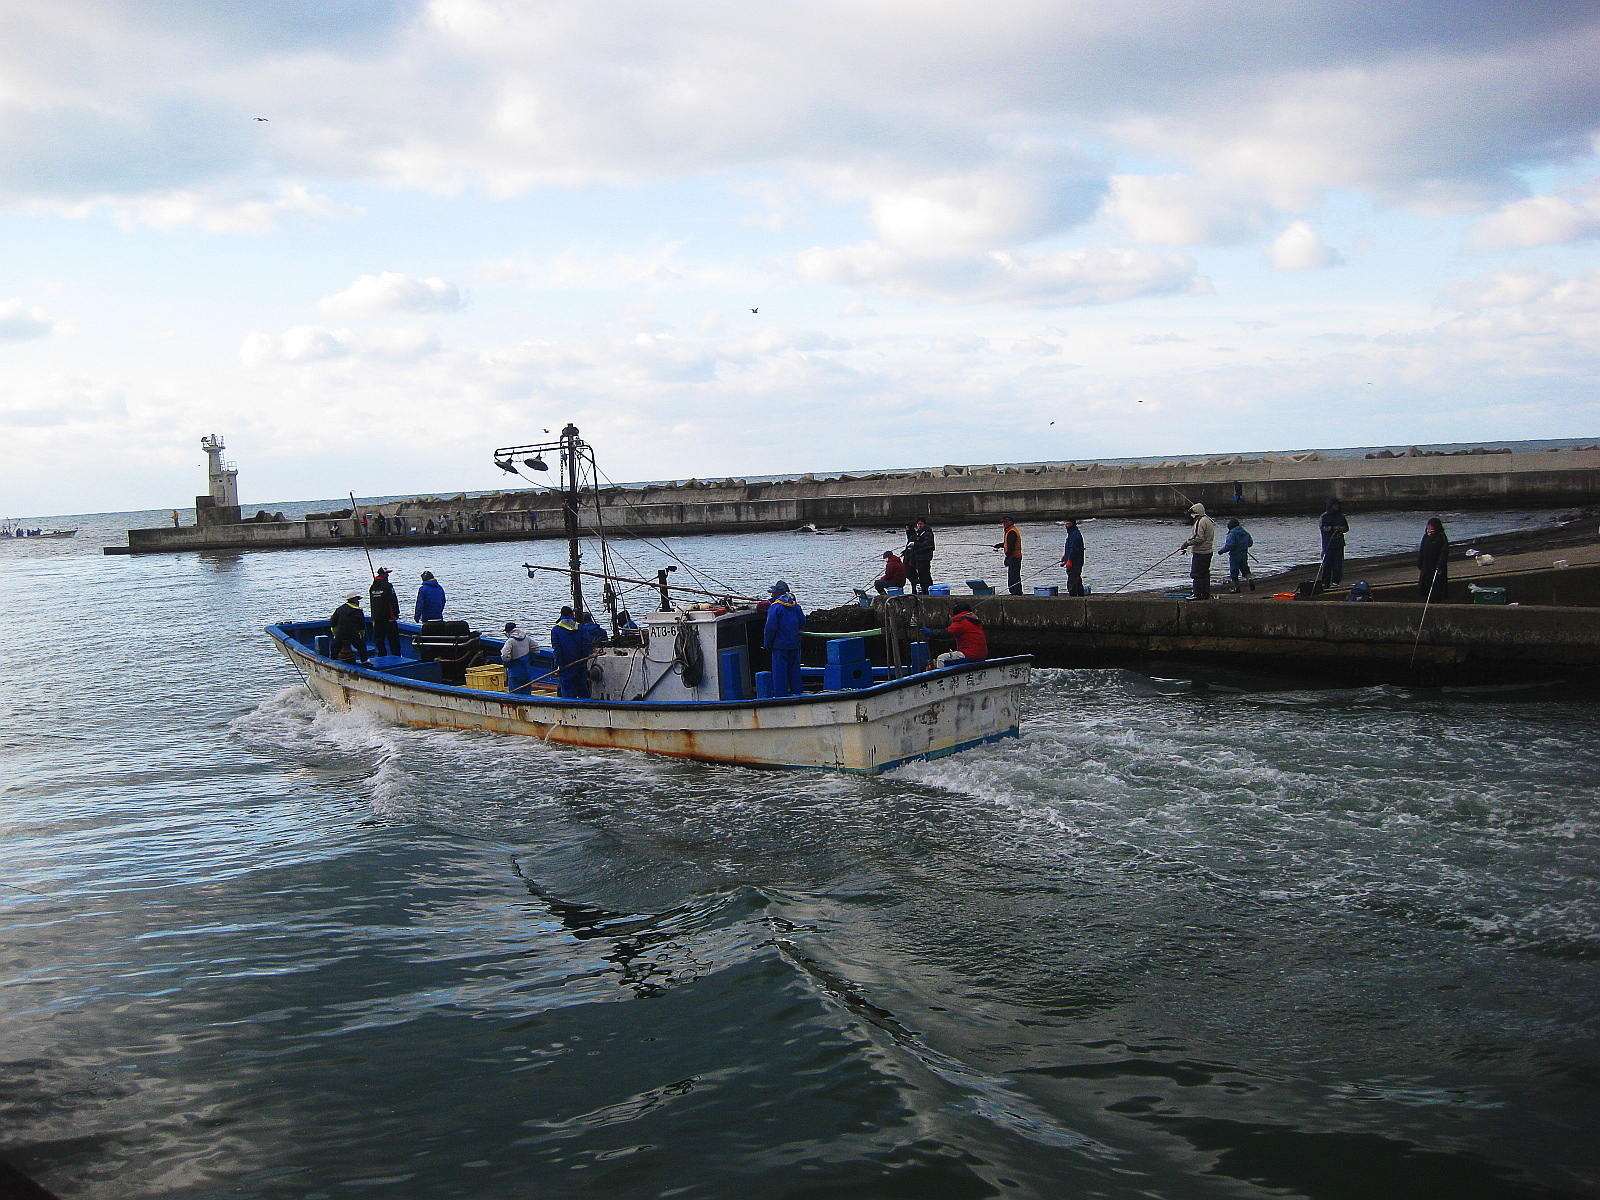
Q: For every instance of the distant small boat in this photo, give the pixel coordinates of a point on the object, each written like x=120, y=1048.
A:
x=14, y=529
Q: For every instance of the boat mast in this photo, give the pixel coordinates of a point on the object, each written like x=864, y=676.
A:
x=571, y=448
x=568, y=483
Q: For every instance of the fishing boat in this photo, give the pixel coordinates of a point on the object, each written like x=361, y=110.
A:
x=683, y=681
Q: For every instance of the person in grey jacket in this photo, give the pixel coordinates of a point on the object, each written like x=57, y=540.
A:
x=1201, y=544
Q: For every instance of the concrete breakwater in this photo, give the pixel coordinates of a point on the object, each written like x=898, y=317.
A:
x=949, y=496
x=1456, y=644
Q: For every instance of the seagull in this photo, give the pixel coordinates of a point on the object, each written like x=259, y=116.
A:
x=261, y=118
x=755, y=310
x=1052, y=422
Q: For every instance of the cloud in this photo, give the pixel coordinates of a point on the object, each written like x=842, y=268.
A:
x=1512, y=286
x=1435, y=106
x=21, y=323
x=1539, y=221
x=392, y=294
x=316, y=344
x=1301, y=248
x=1179, y=210
x=1042, y=280
x=1005, y=204
x=222, y=213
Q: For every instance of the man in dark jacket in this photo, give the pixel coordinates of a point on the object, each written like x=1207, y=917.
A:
x=1334, y=527
x=348, y=625
x=919, y=557
x=385, y=608
x=966, y=631
x=1011, y=543
x=430, y=599
x=1072, y=558
x=1433, y=563
x=785, y=620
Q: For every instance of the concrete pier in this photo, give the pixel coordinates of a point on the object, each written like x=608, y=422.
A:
x=1367, y=643
x=952, y=496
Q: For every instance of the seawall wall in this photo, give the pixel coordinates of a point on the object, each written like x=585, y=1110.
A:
x=973, y=495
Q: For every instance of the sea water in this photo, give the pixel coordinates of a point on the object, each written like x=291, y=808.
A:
x=1200, y=936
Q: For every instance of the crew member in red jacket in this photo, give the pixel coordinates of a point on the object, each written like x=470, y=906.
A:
x=966, y=631
x=894, y=573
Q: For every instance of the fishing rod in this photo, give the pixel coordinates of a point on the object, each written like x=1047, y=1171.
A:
x=1426, y=600
x=1151, y=567
x=671, y=587
x=361, y=528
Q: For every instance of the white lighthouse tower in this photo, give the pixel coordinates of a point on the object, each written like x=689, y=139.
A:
x=221, y=507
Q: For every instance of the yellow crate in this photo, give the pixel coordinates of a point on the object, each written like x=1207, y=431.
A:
x=491, y=678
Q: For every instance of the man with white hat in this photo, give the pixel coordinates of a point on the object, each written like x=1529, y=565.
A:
x=349, y=628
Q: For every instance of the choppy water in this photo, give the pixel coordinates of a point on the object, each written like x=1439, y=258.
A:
x=1180, y=940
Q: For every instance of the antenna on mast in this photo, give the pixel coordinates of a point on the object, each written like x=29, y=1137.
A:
x=573, y=458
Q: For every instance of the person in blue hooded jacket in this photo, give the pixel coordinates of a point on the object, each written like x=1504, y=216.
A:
x=1237, y=547
x=430, y=599
x=1072, y=558
x=1334, y=528
x=570, y=646
x=785, y=620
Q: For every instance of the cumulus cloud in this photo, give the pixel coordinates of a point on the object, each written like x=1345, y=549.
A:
x=1301, y=248
x=1539, y=221
x=1041, y=280
x=1179, y=210
x=392, y=294
x=21, y=322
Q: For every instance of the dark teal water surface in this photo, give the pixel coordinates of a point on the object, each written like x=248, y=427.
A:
x=1180, y=940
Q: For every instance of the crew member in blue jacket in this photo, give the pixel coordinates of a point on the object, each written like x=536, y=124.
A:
x=593, y=635
x=785, y=620
x=430, y=599
x=1237, y=547
x=570, y=646
x=1072, y=558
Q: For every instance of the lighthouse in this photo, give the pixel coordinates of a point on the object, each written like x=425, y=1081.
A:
x=221, y=506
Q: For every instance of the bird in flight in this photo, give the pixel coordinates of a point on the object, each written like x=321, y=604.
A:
x=755, y=310
x=1052, y=422
x=261, y=118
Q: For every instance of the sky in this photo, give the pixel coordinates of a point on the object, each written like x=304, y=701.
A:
x=368, y=241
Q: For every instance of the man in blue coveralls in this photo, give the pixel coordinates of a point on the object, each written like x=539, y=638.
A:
x=785, y=620
x=570, y=645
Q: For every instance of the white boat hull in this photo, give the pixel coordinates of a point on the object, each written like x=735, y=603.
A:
x=867, y=731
